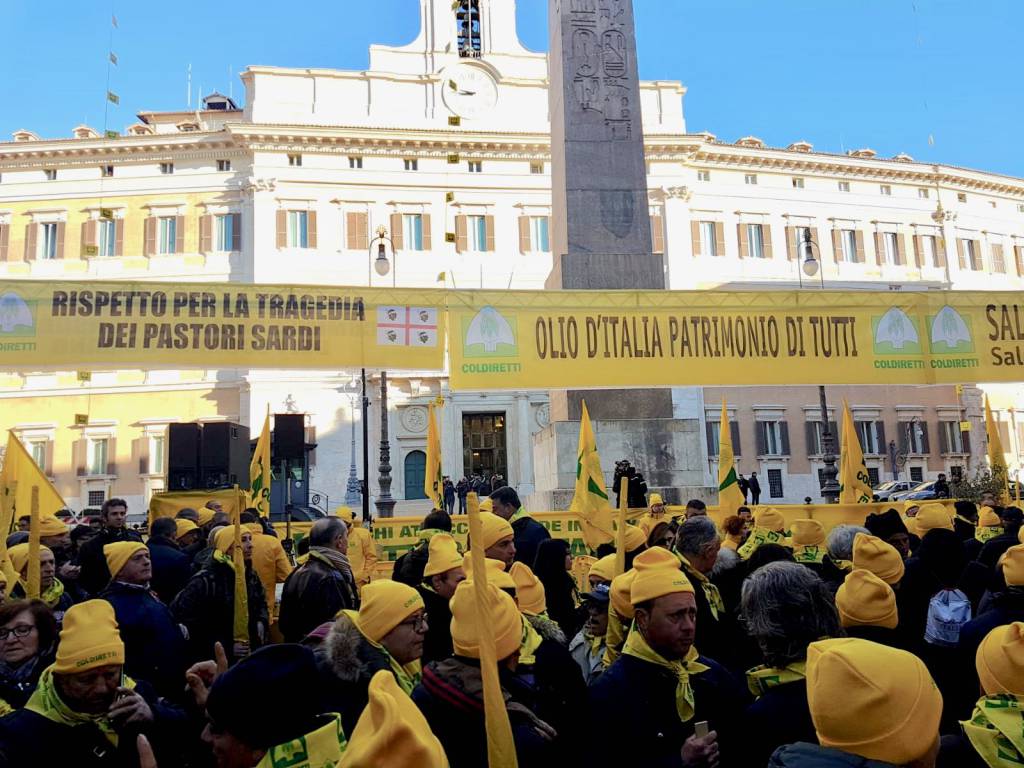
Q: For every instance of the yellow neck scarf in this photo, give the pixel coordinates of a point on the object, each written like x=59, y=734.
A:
x=51, y=596
x=530, y=643
x=985, y=532
x=760, y=536
x=408, y=677
x=810, y=554
x=711, y=592
x=319, y=749
x=637, y=647
x=762, y=679
x=996, y=730
x=615, y=638
x=47, y=702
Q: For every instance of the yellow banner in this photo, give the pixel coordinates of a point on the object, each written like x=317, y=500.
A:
x=555, y=339
x=171, y=503
x=95, y=325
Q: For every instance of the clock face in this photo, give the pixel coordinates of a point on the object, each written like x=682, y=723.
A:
x=468, y=91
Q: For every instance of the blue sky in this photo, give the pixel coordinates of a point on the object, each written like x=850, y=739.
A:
x=842, y=74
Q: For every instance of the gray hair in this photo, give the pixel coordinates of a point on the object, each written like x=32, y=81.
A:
x=785, y=606
x=325, y=530
x=696, y=534
x=840, y=541
x=213, y=534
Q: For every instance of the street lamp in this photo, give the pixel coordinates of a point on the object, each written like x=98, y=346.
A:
x=355, y=487
x=381, y=264
x=385, y=502
x=811, y=266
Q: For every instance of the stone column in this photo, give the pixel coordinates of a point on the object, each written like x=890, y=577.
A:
x=523, y=482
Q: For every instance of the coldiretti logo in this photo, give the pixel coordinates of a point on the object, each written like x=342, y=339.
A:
x=895, y=334
x=949, y=333
x=490, y=334
x=16, y=317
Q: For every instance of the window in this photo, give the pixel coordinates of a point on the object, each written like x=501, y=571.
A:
x=703, y=175
x=47, y=248
x=467, y=25
x=106, y=171
x=97, y=448
x=537, y=168
x=998, y=260
x=848, y=243
x=166, y=234
x=929, y=252
x=961, y=197
x=755, y=241
x=708, y=239
x=798, y=183
x=37, y=448
x=412, y=231
x=539, y=234
x=775, y=483
x=106, y=236
x=891, y=246
x=50, y=173
x=885, y=189
x=355, y=162
x=844, y=186
x=916, y=475
x=156, y=454
x=223, y=232
x=223, y=165
x=295, y=160
x=913, y=437
x=1020, y=207
x=476, y=166
x=923, y=192
x=166, y=168
x=713, y=433
x=970, y=257
x=956, y=474
x=750, y=178
x=96, y=498
x=773, y=437
x=476, y=228
x=816, y=437
x=873, y=477
x=872, y=437
x=298, y=229
x=411, y=164
x=952, y=437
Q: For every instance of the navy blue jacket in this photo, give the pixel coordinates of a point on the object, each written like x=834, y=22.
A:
x=528, y=534
x=782, y=716
x=172, y=568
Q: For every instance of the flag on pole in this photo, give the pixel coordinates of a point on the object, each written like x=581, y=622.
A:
x=19, y=474
x=996, y=457
x=590, y=499
x=854, y=480
x=259, y=471
x=240, y=623
x=113, y=98
x=113, y=58
x=113, y=20
x=433, y=480
x=730, y=497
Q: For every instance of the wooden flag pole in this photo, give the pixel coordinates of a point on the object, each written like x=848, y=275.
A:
x=32, y=588
x=241, y=615
x=620, y=531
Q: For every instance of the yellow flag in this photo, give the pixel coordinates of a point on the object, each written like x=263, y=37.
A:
x=590, y=499
x=19, y=475
x=854, y=481
x=996, y=457
x=433, y=480
x=240, y=624
x=730, y=497
x=259, y=471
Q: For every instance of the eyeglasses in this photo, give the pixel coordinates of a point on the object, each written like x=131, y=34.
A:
x=21, y=630
x=418, y=623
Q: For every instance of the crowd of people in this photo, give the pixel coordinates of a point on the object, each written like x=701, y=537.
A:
x=756, y=642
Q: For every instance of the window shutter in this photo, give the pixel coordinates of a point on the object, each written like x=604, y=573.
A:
x=695, y=237
x=925, y=447
x=427, y=239
x=236, y=232
x=837, y=245
x=940, y=251
x=657, y=234
x=179, y=234
x=119, y=237
x=734, y=433
x=112, y=456
x=784, y=433
x=5, y=238
x=352, y=231
x=943, y=437
x=140, y=449
x=78, y=457
x=461, y=234
x=709, y=433
x=61, y=226
x=48, y=459
x=31, y=233
x=741, y=235
x=883, y=447
x=1018, y=252
x=720, y=238
x=960, y=253
x=282, y=229
x=901, y=249
x=978, y=262
x=762, y=442
x=206, y=233
x=791, y=253
x=766, y=240
x=489, y=228
x=88, y=235
x=524, y=234
x=918, y=252
x=879, y=249
x=998, y=262
x=965, y=440
x=810, y=433
x=858, y=236
x=311, y=229
x=902, y=442
x=397, y=234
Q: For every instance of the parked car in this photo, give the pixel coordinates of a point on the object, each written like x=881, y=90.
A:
x=885, y=491
x=922, y=492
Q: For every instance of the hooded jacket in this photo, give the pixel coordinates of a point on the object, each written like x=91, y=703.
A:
x=803, y=755
x=171, y=568
x=437, y=644
x=313, y=594
x=528, y=535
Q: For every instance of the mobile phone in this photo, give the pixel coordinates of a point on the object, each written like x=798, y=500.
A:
x=700, y=730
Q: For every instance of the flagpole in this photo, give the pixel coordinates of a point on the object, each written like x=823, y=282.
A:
x=620, y=532
x=32, y=588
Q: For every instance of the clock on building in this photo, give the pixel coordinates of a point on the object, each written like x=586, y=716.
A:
x=468, y=90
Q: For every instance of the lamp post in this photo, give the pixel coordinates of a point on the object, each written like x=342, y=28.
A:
x=381, y=265
x=353, y=488
x=811, y=266
x=385, y=502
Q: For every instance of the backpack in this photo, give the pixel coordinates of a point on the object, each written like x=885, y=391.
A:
x=410, y=566
x=948, y=611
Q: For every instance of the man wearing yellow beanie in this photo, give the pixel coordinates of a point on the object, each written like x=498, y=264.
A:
x=808, y=537
x=655, y=513
x=451, y=698
x=867, y=608
x=660, y=686
x=602, y=571
x=620, y=615
x=84, y=710
x=933, y=516
x=769, y=528
x=362, y=551
x=385, y=634
x=529, y=590
x=442, y=574
x=529, y=534
x=498, y=538
x=869, y=701
x=51, y=589
x=1006, y=607
x=56, y=536
x=875, y=555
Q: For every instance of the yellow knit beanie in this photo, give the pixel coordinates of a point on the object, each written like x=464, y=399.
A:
x=443, y=555
x=392, y=732
x=225, y=538
x=51, y=525
x=385, y=605
x=206, y=515
x=493, y=529
x=119, y=553
x=654, y=498
x=506, y=622
x=529, y=590
x=496, y=574
x=770, y=518
x=89, y=638
x=604, y=568
x=1000, y=660
x=931, y=516
x=657, y=575
x=872, y=700
x=987, y=518
x=808, y=533
x=879, y=557
x=622, y=586
x=18, y=555
x=1012, y=563
x=183, y=526
x=345, y=514
x=486, y=505
x=635, y=538
x=864, y=599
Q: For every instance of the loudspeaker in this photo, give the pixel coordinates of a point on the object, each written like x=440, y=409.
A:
x=225, y=455
x=289, y=437
x=184, y=443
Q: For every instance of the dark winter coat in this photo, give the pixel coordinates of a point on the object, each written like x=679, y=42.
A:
x=408, y=568
x=69, y=598
x=633, y=712
x=154, y=645
x=782, y=716
x=881, y=635
x=527, y=535
x=347, y=663
x=313, y=594
x=1007, y=607
x=956, y=751
x=206, y=606
x=813, y=756
x=938, y=564
x=993, y=549
x=95, y=575
x=172, y=568
x=16, y=685
x=437, y=644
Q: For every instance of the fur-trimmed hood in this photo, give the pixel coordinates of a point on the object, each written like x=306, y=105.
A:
x=547, y=629
x=348, y=654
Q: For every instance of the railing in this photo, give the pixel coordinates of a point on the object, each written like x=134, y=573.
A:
x=319, y=500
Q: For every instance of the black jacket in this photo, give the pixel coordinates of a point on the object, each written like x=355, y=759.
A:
x=528, y=534
x=347, y=663
x=171, y=568
x=313, y=594
x=780, y=717
x=956, y=751
x=17, y=685
x=803, y=755
x=437, y=644
x=408, y=568
x=881, y=635
x=95, y=575
x=633, y=712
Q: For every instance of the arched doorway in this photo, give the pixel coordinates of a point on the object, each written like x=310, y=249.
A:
x=415, y=471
